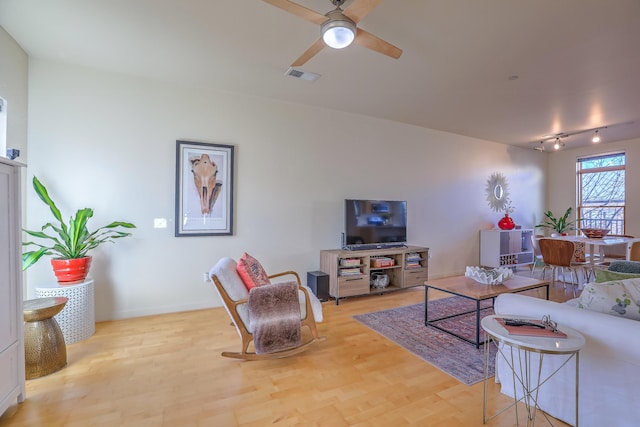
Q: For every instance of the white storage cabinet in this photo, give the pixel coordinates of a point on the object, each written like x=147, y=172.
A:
x=506, y=248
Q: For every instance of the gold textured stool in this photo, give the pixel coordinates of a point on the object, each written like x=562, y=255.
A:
x=44, y=348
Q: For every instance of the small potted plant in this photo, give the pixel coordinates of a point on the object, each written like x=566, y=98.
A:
x=559, y=225
x=69, y=243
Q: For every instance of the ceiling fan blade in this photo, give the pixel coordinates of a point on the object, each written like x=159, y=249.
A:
x=298, y=10
x=368, y=40
x=359, y=9
x=309, y=53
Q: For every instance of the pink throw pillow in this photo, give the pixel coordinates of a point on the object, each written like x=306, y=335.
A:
x=251, y=272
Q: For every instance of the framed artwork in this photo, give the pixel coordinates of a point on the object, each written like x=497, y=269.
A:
x=204, y=189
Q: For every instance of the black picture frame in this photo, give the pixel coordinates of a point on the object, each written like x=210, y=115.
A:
x=204, y=189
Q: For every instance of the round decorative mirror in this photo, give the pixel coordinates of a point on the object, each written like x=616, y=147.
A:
x=497, y=191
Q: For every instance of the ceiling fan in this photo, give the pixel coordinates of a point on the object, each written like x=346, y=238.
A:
x=339, y=28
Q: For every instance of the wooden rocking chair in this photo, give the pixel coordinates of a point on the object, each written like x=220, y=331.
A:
x=235, y=298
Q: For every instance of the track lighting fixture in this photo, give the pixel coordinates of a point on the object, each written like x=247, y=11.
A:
x=559, y=137
x=557, y=143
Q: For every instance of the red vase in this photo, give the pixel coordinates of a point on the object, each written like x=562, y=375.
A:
x=70, y=271
x=506, y=223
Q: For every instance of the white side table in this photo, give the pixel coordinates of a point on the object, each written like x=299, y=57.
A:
x=77, y=319
x=517, y=352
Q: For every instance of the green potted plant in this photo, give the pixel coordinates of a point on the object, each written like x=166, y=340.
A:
x=560, y=225
x=69, y=243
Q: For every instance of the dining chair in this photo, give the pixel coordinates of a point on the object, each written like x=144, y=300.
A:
x=537, y=255
x=583, y=257
x=559, y=255
x=634, y=252
x=613, y=252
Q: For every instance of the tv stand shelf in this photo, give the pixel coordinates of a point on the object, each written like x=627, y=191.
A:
x=350, y=271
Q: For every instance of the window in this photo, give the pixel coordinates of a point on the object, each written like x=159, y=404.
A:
x=601, y=192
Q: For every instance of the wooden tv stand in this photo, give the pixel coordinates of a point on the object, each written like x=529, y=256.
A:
x=350, y=271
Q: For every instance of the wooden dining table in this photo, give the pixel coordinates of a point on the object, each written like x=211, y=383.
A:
x=598, y=243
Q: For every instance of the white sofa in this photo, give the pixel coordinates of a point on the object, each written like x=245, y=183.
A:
x=609, y=364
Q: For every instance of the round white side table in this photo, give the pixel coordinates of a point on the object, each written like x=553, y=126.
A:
x=521, y=364
x=77, y=319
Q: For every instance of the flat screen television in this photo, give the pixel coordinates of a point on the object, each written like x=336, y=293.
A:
x=374, y=224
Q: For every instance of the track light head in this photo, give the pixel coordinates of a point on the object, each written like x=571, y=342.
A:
x=596, y=137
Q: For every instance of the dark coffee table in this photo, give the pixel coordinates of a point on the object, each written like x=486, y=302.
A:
x=468, y=288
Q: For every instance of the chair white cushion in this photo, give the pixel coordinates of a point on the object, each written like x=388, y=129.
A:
x=225, y=269
x=316, y=305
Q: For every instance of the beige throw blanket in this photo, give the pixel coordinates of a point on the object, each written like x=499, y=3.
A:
x=274, y=317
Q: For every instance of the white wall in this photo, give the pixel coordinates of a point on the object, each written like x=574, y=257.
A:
x=13, y=88
x=561, y=185
x=107, y=141
x=14, y=70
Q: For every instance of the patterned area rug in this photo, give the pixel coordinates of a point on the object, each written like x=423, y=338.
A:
x=405, y=326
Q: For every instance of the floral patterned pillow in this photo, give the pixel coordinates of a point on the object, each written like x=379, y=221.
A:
x=617, y=297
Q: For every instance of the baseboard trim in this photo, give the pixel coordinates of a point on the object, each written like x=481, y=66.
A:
x=152, y=311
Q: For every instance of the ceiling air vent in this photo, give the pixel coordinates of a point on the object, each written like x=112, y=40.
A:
x=304, y=75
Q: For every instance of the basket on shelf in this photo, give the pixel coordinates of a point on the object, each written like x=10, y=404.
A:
x=379, y=280
x=379, y=262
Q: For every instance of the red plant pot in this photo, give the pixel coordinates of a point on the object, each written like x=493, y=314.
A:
x=70, y=271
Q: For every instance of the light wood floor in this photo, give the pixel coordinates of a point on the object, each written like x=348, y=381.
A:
x=166, y=370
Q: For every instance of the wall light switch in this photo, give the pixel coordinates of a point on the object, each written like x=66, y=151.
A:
x=159, y=223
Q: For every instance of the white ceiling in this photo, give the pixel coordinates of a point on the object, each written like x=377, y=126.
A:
x=577, y=61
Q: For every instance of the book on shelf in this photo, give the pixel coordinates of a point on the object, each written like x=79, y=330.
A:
x=350, y=271
x=346, y=262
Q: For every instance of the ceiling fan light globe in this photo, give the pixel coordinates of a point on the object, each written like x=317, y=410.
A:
x=338, y=31
x=338, y=37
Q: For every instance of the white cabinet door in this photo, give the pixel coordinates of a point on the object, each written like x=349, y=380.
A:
x=12, y=386
x=8, y=327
